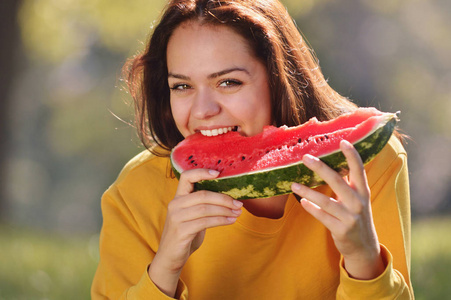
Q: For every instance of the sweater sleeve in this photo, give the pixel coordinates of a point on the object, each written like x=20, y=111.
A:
x=124, y=256
x=390, y=201
x=146, y=289
x=389, y=285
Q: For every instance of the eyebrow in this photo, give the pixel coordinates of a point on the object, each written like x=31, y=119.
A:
x=213, y=75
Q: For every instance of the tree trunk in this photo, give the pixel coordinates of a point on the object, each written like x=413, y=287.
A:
x=9, y=39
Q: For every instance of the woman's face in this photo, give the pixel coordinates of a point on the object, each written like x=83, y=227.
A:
x=217, y=84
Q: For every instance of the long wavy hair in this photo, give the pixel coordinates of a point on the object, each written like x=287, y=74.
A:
x=299, y=90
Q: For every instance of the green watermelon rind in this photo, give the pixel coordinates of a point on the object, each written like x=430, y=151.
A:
x=277, y=181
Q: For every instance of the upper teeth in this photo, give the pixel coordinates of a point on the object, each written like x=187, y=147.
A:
x=215, y=132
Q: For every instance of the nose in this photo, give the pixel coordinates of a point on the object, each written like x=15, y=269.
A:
x=204, y=105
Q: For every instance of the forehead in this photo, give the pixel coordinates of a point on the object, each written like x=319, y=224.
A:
x=194, y=38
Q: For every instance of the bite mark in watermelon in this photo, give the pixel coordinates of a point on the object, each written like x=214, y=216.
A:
x=266, y=164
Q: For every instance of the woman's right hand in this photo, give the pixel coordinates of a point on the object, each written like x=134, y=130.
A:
x=189, y=215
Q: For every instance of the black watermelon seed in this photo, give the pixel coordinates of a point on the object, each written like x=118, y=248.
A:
x=190, y=157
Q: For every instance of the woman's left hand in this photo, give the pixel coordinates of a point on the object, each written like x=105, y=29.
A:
x=348, y=217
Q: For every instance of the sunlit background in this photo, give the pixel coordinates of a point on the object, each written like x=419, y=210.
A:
x=65, y=119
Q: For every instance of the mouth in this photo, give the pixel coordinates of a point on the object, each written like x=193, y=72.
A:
x=218, y=131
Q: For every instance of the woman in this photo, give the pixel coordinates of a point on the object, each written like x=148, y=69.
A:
x=214, y=66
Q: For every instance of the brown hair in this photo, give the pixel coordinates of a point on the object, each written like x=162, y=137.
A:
x=299, y=90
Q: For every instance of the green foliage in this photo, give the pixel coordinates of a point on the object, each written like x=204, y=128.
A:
x=55, y=29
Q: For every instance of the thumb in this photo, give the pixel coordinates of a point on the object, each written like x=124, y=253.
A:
x=188, y=178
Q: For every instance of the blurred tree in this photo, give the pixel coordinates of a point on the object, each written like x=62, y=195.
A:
x=64, y=106
x=71, y=28
x=9, y=37
x=395, y=55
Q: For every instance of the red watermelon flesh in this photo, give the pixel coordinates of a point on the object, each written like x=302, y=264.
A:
x=233, y=154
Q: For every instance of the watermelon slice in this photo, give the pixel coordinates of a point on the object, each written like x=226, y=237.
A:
x=266, y=164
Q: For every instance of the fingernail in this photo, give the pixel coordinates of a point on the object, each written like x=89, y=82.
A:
x=346, y=144
x=213, y=172
x=309, y=159
x=231, y=219
x=237, y=203
x=236, y=211
x=295, y=186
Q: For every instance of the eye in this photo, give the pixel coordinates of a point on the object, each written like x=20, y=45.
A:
x=179, y=87
x=230, y=83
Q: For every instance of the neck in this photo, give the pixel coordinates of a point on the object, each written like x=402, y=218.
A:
x=272, y=208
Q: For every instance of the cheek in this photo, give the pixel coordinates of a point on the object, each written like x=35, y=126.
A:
x=264, y=113
x=263, y=105
x=180, y=115
x=256, y=113
x=264, y=96
x=174, y=112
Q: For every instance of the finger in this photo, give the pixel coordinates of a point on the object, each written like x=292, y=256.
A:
x=205, y=211
x=208, y=197
x=188, y=178
x=357, y=175
x=198, y=225
x=329, y=221
x=321, y=201
x=330, y=176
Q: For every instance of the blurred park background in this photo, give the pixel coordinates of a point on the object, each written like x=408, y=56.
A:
x=65, y=119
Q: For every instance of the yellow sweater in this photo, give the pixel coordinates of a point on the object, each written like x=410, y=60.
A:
x=293, y=257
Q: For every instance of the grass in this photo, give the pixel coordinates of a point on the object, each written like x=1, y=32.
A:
x=39, y=265
x=431, y=258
